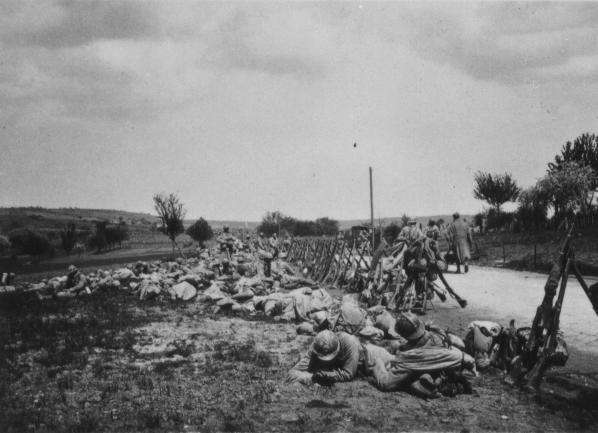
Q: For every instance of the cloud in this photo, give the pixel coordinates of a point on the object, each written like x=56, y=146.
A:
x=503, y=42
x=274, y=41
x=73, y=23
x=111, y=60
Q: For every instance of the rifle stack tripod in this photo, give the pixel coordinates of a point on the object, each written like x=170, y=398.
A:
x=544, y=346
x=327, y=260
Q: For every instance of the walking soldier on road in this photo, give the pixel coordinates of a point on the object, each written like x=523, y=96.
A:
x=460, y=240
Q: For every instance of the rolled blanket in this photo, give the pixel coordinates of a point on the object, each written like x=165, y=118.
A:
x=431, y=360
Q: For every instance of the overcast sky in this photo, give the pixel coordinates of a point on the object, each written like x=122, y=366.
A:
x=242, y=108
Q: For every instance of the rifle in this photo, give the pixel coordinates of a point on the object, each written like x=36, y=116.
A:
x=545, y=326
x=462, y=302
x=544, y=310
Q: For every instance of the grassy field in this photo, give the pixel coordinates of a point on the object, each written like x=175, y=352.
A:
x=111, y=363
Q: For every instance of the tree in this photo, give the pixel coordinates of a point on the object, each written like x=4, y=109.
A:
x=68, y=238
x=405, y=219
x=391, y=232
x=273, y=221
x=116, y=234
x=495, y=189
x=567, y=189
x=200, y=231
x=326, y=226
x=584, y=152
x=171, y=212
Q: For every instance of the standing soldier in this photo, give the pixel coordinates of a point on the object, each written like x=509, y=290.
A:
x=273, y=243
x=460, y=238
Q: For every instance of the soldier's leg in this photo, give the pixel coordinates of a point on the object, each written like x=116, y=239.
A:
x=377, y=359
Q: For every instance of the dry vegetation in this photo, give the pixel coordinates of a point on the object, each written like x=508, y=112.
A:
x=111, y=363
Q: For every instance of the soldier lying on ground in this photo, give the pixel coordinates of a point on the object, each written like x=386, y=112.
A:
x=340, y=357
x=76, y=282
x=412, y=329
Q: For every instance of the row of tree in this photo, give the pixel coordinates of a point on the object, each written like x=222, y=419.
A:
x=276, y=222
x=566, y=189
x=38, y=244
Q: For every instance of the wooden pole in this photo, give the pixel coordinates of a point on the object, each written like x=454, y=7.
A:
x=372, y=210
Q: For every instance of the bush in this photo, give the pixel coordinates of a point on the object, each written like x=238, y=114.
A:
x=532, y=211
x=500, y=220
x=200, y=231
x=30, y=242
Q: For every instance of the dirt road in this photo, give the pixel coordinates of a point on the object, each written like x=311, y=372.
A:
x=502, y=294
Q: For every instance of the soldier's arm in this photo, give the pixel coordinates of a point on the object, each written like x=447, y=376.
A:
x=80, y=284
x=300, y=372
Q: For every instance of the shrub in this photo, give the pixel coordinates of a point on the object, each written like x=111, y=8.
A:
x=499, y=220
x=30, y=242
x=532, y=211
x=200, y=231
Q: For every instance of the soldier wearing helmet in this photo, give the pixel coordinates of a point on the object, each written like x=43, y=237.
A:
x=333, y=357
x=340, y=357
x=412, y=329
x=410, y=234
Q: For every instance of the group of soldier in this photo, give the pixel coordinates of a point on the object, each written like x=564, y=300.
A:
x=457, y=234
x=426, y=360
x=427, y=365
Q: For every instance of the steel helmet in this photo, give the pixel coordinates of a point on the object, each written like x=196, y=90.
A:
x=326, y=345
x=409, y=326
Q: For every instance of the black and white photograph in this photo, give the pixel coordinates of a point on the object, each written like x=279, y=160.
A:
x=293, y=216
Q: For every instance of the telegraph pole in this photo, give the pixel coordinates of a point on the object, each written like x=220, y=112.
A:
x=372, y=210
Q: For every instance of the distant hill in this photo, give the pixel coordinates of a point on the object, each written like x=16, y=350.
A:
x=53, y=219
